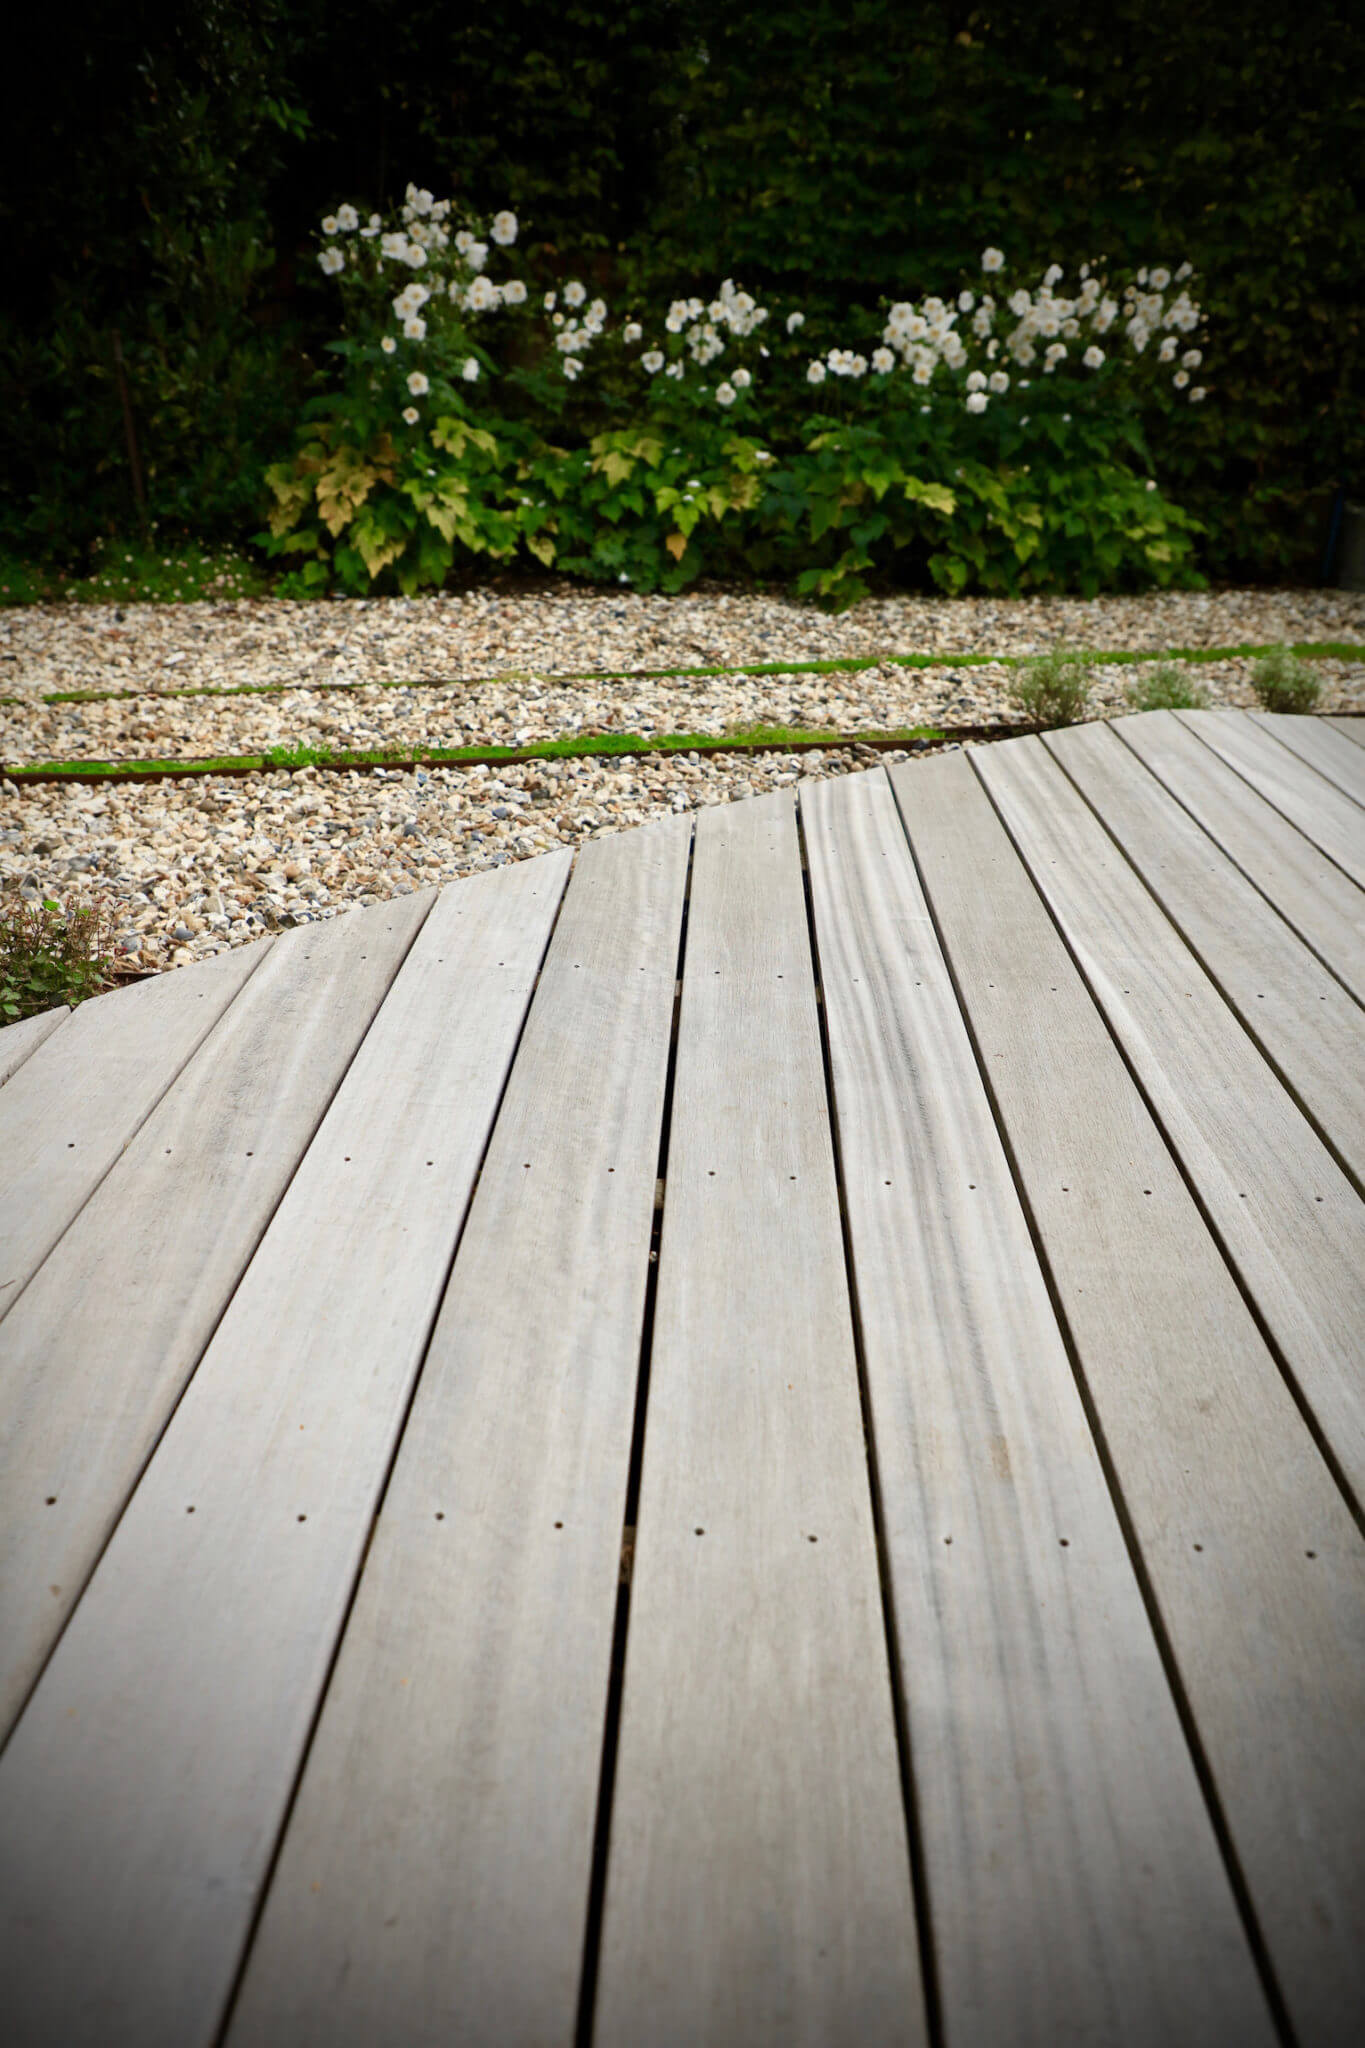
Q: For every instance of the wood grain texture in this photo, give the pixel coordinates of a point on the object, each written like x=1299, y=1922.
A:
x=145, y=1783
x=17, y=1041
x=1286, y=1215
x=1308, y=1027
x=1321, y=812
x=1310, y=891
x=1314, y=741
x=758, y=1881
x=78, y=1100
x=433, y=1883
x=96, y=1351
x=1256, y=1565
x=1352, y=724
x=1079, y=1895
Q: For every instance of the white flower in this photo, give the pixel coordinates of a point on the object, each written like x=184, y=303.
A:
x=992, y=349
x=514, y=292
x=504, y=228
x=1093, y=357
x=923, y=372
x=883, y=362
x=741, y=380
x=574, y=293
x=348, y=220
x=418, y=383
x=1142, y=277
x=965, y=301
x=1166, y=353
x=476, y=255
x=1020, y=303
x=795, y=320
x=329, y=224
x=652, y=360
x=1052, y=275
x=470, y=370
x=463, y=240
x=1185, y=270
x=1106, y=316
x=977, y=401
x=1159, y=280
x=1192, y=358
x=411, y=415
x=388, y=344
x=420, y=202
x=999, y=380
x=816, y=373
x=981, y=320
x=330, y=261
x=483, y=295
x=675, y=370
x=1181, y=379
x=725, y=394
x=992, y=259
x=1198, y=393
x=976, y=380
x=1151, y=483
x=415, y=255
x=631, y=331
x=372, y=226
x=572, y=367
x=1053, y=355
x=414, y=328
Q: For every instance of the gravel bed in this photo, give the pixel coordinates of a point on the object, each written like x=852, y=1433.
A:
x=188, y=867
x=519, y=714
x=212, y=645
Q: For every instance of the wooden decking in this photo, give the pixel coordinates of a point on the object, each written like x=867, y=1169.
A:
x=758, y=1441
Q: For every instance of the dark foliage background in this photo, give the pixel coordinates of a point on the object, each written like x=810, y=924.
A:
x=163, y=175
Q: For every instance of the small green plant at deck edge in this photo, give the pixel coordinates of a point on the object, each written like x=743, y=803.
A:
x=1284, y=683
x=50, y=956
x=1055, y=690
x=1166, y=688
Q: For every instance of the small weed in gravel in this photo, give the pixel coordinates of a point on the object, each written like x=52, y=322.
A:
x=1167, y=687
x=1054, y=690
x=50, y=956
x=1285, y=683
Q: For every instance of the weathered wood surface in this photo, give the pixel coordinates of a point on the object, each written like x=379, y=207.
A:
x=1311, y=893
x=1314, y=741
x=434, y=1880
x=143, y=1787
x=99, y=1346
x=1081, y=1894
x=74, y=1104
x=1219, y=1478
x=1260, y=967
x=758, y=1879
x=1286, y=1214
x=17, y=1041
x=1352, y=724
x=1322, y=813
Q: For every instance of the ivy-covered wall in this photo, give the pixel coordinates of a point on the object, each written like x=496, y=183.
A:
x=161, y=185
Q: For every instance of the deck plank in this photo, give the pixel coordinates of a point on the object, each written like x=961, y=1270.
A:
x=1310, y=892
x=1352, y=724
x=1207, y=1443
x=758, y=1880
x=434, y=1880
x=18, y=1041
x=1305, y=1023
x=1322, y=813
x=1284, y=1212
x=79, y=1099
x=96, y=1351
x=1314, y=741
x=1082, y=1897
x=145, y=1783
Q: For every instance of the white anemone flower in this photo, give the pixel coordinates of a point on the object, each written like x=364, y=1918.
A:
x=1159, y=280
x=483, y=296
x=414, y=328
x=999, y=381
x=504, y=228
x=470, y=370
x=1192, y=358
x=476, y=255
x=348, y=220
x=725, y=394
x=418, y=383
x=816, y=373
x=330, y=261
x=795, y=320
x=1052, y=275
x=411, y=415
x=1185, y=270
x=1181, y=379
x=395, y=247
x=572, y=367
x=415, y=255
x=741, y=379
x=976, y=380
x=551, y=301
x=923, y=372
x=965, y=301
x=372, y=226
x=514, y=292
x=676, y=370
x=1093, y=357
x=330, y=224
x=977, y=401
x=652, y=360
x=464, y=239
x=883, y=362
x=1166, y=353
x=1020, y=303
x=992, y=259
x=574, y=293
x=388, y=344
x=632, y=331
x=1197, y=394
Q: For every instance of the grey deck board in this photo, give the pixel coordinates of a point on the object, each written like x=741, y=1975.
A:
x=1314, y=740
x=1351, y=724
x=17, y=1041
x=144, y=1785
x=758, y=1880
x=1054, y=1890
x=1310, y=891
x=434, y=1880
x=1263, y=970
x=1205, y=1439
x=74, y=1104
x=99, y=1346
x=1287, y=1215
x=1321, y=812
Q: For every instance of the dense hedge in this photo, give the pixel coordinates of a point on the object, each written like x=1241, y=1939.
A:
x=841, y=149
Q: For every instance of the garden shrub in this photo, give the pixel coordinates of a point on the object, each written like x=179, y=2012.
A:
x=1054, y=690
x=50, y=956
x=1167, y=687
x=1285, y=682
